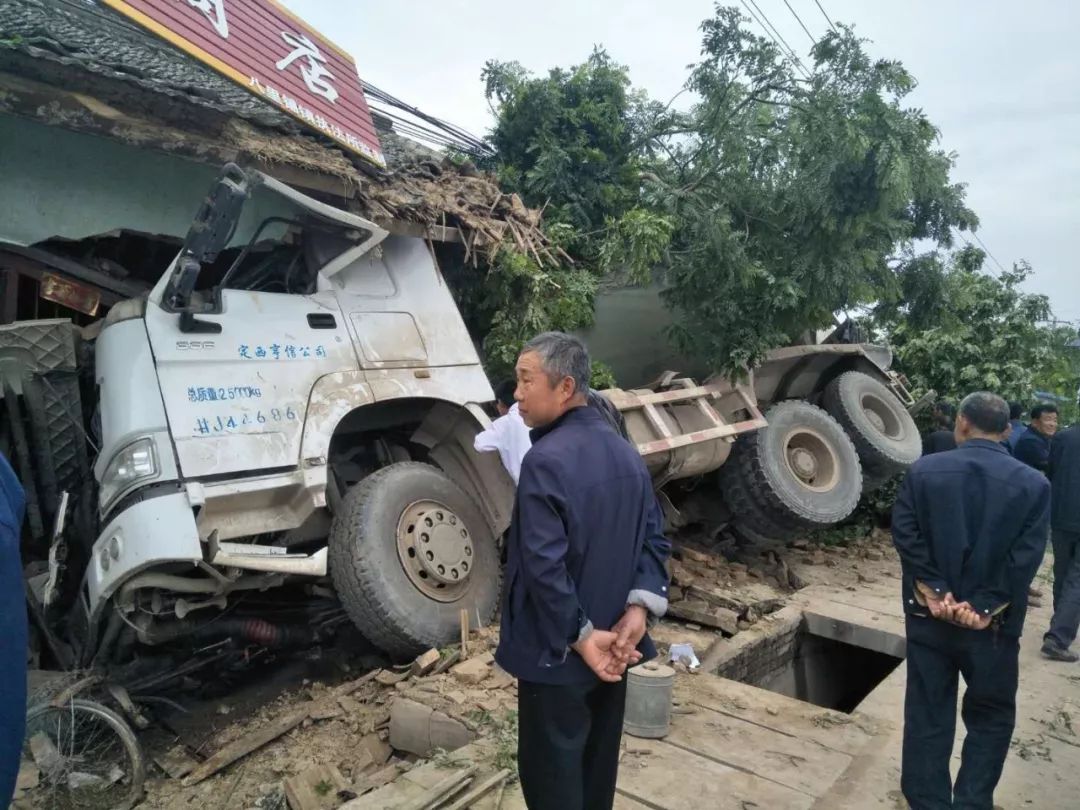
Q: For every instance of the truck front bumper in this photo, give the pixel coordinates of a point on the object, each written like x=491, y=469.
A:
x=153, y=532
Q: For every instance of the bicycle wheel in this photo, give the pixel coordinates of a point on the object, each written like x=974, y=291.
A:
x=87, y=756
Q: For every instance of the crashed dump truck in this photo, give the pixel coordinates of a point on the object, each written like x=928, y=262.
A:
x=286, y=422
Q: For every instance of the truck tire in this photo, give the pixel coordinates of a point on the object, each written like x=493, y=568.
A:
x=801, y=472
x=885, y=435
x=408, y=551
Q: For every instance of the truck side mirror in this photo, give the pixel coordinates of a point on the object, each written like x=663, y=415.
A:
x=209, y=234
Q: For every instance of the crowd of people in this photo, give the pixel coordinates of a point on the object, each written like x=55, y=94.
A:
x=971, y=524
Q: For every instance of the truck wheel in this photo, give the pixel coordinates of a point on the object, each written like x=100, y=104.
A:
x=408, y=551
x=884, y=433
x=801, y=472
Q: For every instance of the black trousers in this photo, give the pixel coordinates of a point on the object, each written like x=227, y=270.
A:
x=1066, y=621
x=937, y=654
x=568, y=744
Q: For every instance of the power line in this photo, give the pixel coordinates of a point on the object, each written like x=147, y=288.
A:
x=788, y=53
x=776, y=31
x=826, y=16
x=982, y=245
x=988, y=253
x=797, y=17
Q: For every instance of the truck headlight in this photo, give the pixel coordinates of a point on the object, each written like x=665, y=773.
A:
x=134, y=463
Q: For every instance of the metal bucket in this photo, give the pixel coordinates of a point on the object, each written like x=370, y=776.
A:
x=648, y=700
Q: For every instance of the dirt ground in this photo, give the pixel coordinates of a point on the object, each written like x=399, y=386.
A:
x=720, y=601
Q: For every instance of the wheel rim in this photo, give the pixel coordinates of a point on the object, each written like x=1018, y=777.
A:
x=881, y=417
x=435, y=549
x=811, y=460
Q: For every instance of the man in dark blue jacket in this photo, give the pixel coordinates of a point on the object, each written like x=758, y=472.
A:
x=970, y=527
x=1016, y=424
x=1064, y=473
x=1033, y=446
x=585, y=568
x=13, y=634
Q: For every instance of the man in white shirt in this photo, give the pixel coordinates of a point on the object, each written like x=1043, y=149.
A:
x=508, y=434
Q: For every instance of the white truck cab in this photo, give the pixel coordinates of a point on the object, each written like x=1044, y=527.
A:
x=304, y=410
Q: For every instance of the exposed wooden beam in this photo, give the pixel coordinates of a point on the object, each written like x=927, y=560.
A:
x=32, y=262
x=436, y=233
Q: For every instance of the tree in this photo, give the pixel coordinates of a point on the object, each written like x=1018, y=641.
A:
x=793, y=197
x=956, y=329
x=575, y=143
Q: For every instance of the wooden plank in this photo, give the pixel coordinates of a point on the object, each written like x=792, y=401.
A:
x=480, y=789
x=32, y=261
x=665, y=777
x=718, y=617
x=464, y=617
x=240, y=748
x=800, y=764
x=847, y=733
x=436, y=233
x=443, y=789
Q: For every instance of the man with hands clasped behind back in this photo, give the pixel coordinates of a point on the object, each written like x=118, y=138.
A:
x=970, y=527
x=585, y=568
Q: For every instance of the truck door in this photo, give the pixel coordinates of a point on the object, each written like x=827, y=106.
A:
x=236, y=399
x=236, y=364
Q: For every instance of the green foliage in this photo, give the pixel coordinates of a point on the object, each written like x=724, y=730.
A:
x=957, y=329
x=636, y=242
x=773, y=203
x=515, y=299
x=567, y=139
x=790, y=195
x=575, y=143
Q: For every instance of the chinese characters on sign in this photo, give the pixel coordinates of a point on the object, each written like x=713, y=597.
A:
x=223, y=394
x=263, y=47
x=278, y=351
x=314, y=71
x=215, y=13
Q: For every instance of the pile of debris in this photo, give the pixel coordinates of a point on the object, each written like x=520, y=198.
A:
x=343, y=743
x=451, y=195
x=706, y=589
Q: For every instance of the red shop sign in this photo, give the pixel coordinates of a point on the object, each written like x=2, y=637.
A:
x=265, y=48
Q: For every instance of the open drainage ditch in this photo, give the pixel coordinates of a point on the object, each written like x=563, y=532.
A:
x=814, y=660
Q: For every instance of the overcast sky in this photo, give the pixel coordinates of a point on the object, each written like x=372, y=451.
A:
x=1001, y=81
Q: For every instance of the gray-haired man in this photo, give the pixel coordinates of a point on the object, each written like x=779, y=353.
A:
x=585, y=565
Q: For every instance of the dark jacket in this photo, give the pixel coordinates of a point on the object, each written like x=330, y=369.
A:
x=1018, y=430
x=1064, y=472
x=938, y=442
x=1033, y=448
x=13, y=635
x=973, y=522
x=612, y=415
x=586, y=532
